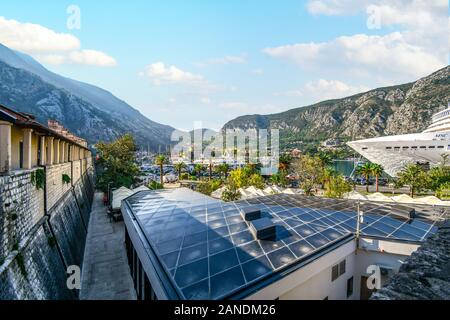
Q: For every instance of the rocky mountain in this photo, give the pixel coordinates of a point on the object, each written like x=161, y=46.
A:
x=392, y=110
x=88, y=111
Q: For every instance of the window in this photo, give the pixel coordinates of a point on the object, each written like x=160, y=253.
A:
x=431, y=147
x=337, y=270
x=349, y=287
x=388, y=148
x=341, y=268
x=423, y=147
x=440, y=147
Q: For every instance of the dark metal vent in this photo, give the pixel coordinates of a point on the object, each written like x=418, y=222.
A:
x=263, y=228
x=250, y=213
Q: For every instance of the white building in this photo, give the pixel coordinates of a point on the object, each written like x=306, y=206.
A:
x=184, y=245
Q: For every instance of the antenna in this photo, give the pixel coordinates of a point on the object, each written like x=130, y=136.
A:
x=360, y=219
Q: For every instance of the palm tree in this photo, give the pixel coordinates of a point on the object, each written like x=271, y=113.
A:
x=180, y=166
x=414, y=176
x=328, y=174
x=365, y=170
x=199, y=168
x=325, y=159
x=210, y=167
x=377, y=171
x=159, y=161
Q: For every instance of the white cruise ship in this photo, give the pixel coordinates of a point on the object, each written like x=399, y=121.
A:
x=394, y=152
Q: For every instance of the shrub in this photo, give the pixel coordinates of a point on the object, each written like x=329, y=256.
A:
x=337, y=187
x=257, y=181
x=209, y=187
x=443, y=192
x=38, y=178
x=66, y=179
x=184, y=176
x=231, y=194
x=154, y=185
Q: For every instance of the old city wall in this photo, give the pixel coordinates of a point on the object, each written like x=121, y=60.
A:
x=43, y=227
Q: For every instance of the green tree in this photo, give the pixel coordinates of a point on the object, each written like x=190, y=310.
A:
x=117, y=163
x=308, y=172
x=365, y=170
x=160, y=160
x=285, y=161
x=280, y=178
x=326, y=159
x=377, y=171
x=443, y=192
x=198, y=170
x=257, y=181
x=180, y=166
x=238, y=178
x=337, y=187
x=223, y=170
x=415, y=177
x=438, y=176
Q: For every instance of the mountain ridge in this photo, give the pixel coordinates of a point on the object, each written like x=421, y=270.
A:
x=108, y=108
x=398, y=109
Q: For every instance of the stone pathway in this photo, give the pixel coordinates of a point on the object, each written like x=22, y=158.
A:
x=105, y=275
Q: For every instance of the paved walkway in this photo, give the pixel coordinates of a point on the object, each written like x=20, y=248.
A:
x=105, y=274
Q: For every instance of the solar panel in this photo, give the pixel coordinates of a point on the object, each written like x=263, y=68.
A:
x=208, y=251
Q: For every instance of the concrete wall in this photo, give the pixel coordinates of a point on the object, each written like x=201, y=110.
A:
x=37, y=246
x=313, y=281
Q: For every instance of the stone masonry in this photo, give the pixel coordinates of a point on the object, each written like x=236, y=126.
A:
x=37, y=246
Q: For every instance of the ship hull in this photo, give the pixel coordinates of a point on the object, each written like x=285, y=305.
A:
x=395, y=152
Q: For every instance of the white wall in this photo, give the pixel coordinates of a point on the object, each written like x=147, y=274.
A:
x=313, y=281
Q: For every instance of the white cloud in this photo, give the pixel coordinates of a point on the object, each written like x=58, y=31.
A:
x=379, y=54
x=49, y=46
x=92, y=57
x=420, y=48
x=258, y=72
x=161, y=74
x=391, y=11
x=323, y=90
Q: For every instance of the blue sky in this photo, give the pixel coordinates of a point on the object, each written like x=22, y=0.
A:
x=182, y=61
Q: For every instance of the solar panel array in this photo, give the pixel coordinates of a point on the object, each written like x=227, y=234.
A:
x=207, y=249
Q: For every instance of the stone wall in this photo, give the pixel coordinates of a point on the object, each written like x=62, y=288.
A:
x=56, y=188
x=21, y=208
x=76, y=171
x=36, y=247
x=425, y=275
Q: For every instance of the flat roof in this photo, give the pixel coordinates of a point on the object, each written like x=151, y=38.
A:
x=207, y=251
